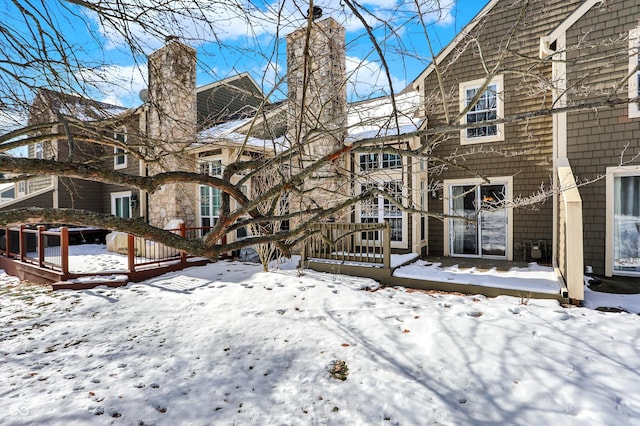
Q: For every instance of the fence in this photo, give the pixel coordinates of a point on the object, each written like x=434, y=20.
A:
x=350, y=242
x=49, y=249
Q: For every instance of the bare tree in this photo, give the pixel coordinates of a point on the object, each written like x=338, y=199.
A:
x=298, y=162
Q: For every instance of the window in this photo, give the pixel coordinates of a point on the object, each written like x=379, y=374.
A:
x=38, y=151
x=119, y=154
x=488, y=106
x=480, y=221
x=284, y=209
x=634, y=72
x=210, y=199
x=380, y=209
x=22, y=187
x=368, y=162
x=623, y=221
x=211, y=168
x=391, y=161
x=376, y=161
x=121, y=204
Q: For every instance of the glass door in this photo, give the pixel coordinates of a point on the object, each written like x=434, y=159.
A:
x=626, y=224
x=463, y=228
x=479, y=227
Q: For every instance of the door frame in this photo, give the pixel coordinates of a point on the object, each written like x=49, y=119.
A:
x=507, y=181
x=612, y=173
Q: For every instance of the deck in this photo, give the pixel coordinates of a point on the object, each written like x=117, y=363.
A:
x=47, y=257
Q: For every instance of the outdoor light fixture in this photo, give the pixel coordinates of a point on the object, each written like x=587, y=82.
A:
x=134, y=201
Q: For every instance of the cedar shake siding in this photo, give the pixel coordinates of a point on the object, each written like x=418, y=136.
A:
x=526, y=151
x=597, y=62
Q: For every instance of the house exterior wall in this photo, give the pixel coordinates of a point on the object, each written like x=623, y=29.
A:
x=81, y=194
x=597, y=62
x=526, y=147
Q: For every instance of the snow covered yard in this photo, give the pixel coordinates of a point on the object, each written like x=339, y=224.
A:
x=229, y=344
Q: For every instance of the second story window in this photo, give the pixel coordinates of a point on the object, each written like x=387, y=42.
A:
x=38, y=151
x=380, y=161
x=119, y=154
x=211, y=167
x=487, y=106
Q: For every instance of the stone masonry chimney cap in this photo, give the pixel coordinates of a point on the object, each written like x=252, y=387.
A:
x=169, y=38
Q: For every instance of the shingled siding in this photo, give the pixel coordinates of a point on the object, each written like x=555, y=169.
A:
x=526, y=152
x=595, y=140
x=80, y=194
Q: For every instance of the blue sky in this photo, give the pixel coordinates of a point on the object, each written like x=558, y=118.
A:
x=233, y=42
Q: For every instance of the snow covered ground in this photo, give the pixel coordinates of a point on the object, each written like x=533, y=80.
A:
x=229, y=344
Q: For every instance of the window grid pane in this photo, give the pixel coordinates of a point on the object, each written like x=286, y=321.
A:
x=485, y=109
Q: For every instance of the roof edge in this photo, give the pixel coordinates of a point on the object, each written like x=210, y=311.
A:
x=572, y=19
x=453, y=43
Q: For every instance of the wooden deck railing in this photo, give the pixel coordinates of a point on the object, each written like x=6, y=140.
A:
x=50, y=248
x=350, y=242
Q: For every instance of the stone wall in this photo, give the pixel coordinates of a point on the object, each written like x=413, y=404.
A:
x=171, y=129
x=317, y=114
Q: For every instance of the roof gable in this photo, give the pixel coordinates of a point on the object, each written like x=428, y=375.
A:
x=231, y=98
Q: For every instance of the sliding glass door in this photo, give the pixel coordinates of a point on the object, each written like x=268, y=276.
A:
x=626, y=224
x=479, y=223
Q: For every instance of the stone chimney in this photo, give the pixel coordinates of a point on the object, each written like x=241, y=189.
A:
x=317, y=84
x=317, y=98
x=172, y=128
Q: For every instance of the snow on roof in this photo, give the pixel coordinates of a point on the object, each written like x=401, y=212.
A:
x=82, y=108
x=367, y=119
x=375, y=118
x=230, y=132
x=7, y=185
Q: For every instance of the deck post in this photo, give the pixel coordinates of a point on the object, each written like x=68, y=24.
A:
x=22, y=242
x=64, y=250
x=41, y=246
x=183, y=234
x=7, y=235
x=131, y=247
x=386, y=249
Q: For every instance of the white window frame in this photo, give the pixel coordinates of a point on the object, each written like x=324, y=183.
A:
x=377, y=207
x=379, y=161
x=119, y=154
x=211, y=167
x=117, y=195
x=22, y=187
x=612, y=173
x=38, y=150
x=634, y=60
x=498, y=81
x=499, y=180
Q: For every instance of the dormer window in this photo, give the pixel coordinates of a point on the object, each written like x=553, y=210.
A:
x=488, y=106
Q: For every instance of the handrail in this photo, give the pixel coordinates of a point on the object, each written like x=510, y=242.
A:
x=349, y=242
x=50, y=249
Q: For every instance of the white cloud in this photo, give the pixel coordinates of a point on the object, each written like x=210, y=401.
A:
x=204, y=21
x=366, y=79
x=117, y=84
